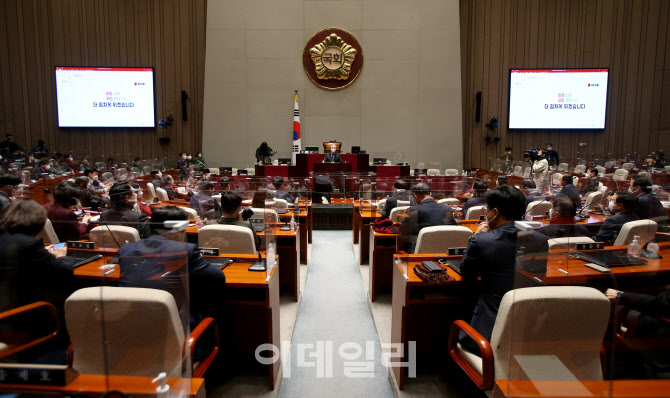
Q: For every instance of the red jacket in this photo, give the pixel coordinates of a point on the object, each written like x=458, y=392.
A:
x=65, y=223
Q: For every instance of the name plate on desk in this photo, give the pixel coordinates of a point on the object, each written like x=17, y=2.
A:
x=209, y=251
x=26, y=373
x=76, y=244
x=456, y=251
x=590, y=246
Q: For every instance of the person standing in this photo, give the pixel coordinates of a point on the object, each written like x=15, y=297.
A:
x=263, y=152
x=540, y=170
x=552, y=155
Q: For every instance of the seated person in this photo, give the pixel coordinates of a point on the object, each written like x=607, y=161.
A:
x=479, y=189
x=278, y=183
x=570, y=191
x=593, y=183
x=168, y=181
x=530, y=190
x=93, y=181
x=43, y=170
x=142, y=261
x=121, y=212
x=491, y=254
x=400, y=188
x=31, y=271
x=61, y=213
x=86, y=196
x=144, y=208
x=231, y=203
x=203, y=202
x=562, y=224
x=333, y=156
x=426, y=213
x=224, y=182
x=501, y=180
x=8, y=188
x=649, y=206
x=156, y=178
x=623, y=207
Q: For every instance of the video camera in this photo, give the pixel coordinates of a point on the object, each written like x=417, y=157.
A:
x=533, y=154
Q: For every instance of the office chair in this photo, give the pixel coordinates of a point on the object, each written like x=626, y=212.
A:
x=48, y=234
x=152, y=191
x=228, y=238
x=162, y=194
x=113, y=236
x=450, y=202
x=394, y=213
x=441, y=238
x=538, y=208
x=645, y=229
x=564, y=243
x=475, y=212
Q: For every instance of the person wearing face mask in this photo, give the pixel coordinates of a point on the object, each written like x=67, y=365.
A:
x=333, y=156
x=194, y=283
x=491, y=254
x=8, y=188
x=540, y=170
x=562, y=224
x=184, y=166
x=43, y=170
x=593, y=183
x=202, y=202
x=40, y=149
x=400, y=188
x=167, y=183
x=507, y=158
x=156, y=178
x=93, y=181
x=479, y=189
x=426, y=213
x=69, y=161
x=650, y=206
x=121, y=213
x=63, y=218
x=552, y=155
x=264, y=153
x=623, y=206
x=571, y=191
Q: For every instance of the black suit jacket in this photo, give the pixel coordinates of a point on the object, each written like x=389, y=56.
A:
x=649, y=207
x=563, y=231
x=612, y=226
x=592, y=185
x=128, y=218
x=472, y=202
x=572, y=192
x=428, y=213
x=191, y=279
x=332, y=158
x=552, y=157
x=493, y=256
x=392, y=203
x=284, y=195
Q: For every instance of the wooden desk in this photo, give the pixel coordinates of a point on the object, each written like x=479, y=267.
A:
x=249, y=306
x=382, y=249
x=288, y=251
x=423, y=313
x=365, y=223
x=582, y=389
x=86, y=384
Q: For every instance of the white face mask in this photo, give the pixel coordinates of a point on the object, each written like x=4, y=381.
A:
x=332, y=150
x=95, y=177
x=188, y=158
x=486, y=219
x=48, y=167
x=611, y=205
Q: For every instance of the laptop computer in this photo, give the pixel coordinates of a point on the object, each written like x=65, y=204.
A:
x=609, y=259
x=355, y=149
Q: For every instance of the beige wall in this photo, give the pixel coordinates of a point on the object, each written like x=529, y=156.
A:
x=407, y=99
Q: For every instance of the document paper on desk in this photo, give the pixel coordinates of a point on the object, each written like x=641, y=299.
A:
x=549, y=368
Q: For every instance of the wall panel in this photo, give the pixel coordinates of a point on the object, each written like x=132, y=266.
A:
x=628, y=36
x=37, y=35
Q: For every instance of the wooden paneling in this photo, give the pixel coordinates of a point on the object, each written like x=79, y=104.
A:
x=36, y=35
x=631, y=37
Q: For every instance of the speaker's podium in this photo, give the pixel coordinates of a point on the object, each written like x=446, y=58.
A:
x=330, y=179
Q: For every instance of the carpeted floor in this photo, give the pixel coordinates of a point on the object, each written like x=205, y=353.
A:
x=334, y=311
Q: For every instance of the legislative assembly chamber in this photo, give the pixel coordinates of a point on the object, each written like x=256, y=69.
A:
x=320, y=198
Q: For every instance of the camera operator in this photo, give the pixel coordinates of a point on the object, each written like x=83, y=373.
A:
x=540, y=169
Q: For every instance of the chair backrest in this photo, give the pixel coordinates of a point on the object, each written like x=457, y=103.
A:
x=268, y=215
x=593, y=200
x=628, y=166
x=404, y=203
x=602, y=188
x=394, y=213
x=450, y=201
x=381, y=204
x=558, y=243
x=146, y=169
x=601, y=170
x=139, y=333
x=526, y=172
x=281, y=203
x=47, y=234
x=518, y=171
x=152, y=191
x=228, y=238
x=580, y=168
x=556, y=178
x=433, y=172
x=645, y=229
x=563, y=166
x=440, y=239
x=667, y=169
x=475, y=212
x=563, y=323
x=110, y=235
x=330, y=144
x=609, y=164
x=107, y=176
x=538, y=208
x=162, y=194
x=192, y=213
x=620, y=175
x=451, y=172
x=643, y=173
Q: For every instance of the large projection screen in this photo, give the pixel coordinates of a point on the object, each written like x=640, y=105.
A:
x=557, y=98
x=105, y=96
